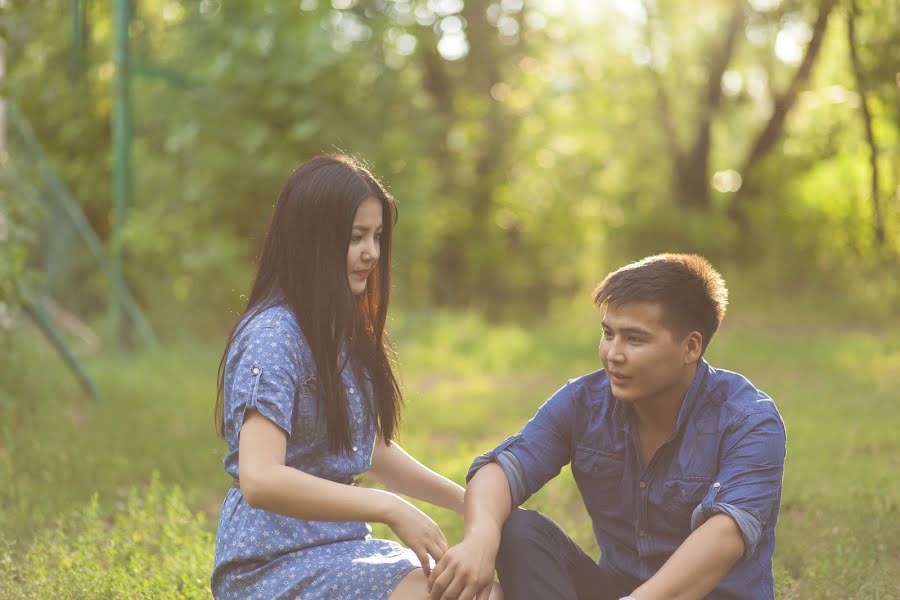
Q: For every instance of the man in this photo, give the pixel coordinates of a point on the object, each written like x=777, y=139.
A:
x=679, y=464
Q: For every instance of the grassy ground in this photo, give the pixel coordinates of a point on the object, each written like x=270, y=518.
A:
x=468, y=385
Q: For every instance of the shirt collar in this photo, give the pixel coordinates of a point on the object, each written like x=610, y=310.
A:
x=694, y=396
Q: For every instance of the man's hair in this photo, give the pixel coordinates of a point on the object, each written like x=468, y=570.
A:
x=691, y=292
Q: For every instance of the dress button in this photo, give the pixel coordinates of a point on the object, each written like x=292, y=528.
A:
x=642, y=484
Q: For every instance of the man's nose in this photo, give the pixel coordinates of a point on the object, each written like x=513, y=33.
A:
x=614, y=351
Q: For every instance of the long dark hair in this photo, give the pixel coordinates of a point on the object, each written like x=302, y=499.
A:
x=303, y=265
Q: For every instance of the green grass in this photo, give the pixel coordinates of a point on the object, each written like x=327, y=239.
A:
x=468, y=385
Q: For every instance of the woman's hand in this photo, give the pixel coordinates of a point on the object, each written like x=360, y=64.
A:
x=418, y=531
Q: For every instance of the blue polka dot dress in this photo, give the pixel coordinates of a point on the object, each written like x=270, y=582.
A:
x=260, y=554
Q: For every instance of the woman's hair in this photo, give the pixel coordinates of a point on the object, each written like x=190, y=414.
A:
x=303, y=265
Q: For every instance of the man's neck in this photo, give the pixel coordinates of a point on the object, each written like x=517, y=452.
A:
x=658, y=415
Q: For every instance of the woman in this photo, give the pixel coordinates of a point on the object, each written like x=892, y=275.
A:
x=308, y=401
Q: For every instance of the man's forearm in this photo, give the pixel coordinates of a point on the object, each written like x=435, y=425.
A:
x=488, y=502
x=699, y=563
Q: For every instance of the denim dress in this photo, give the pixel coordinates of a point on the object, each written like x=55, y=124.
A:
x=260, y=554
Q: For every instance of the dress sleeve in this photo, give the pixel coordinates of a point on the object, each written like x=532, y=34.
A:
x=262, y=373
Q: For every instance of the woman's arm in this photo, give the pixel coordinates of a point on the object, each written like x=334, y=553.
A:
x=268, y=484
x=401, y=473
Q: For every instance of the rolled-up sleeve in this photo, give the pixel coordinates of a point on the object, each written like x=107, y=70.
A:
x=748, y=485
x=532, y=457
x=263, y=368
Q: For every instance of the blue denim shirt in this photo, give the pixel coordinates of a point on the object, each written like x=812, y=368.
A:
x=726, y=455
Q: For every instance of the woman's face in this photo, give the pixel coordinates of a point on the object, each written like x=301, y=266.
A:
x=365, y=244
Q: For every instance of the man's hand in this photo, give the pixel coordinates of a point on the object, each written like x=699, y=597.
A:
x=466, y=571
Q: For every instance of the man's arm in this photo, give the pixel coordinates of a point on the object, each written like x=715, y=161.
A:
x=467, y=569
x=498, y=481
x=728, y=523
x=699, y=563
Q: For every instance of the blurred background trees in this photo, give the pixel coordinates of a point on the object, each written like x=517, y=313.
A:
x=532, y=144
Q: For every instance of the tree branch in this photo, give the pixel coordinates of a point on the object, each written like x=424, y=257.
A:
x=878, y=223
x=784, y=103
x=774, y=128
x=663, y=105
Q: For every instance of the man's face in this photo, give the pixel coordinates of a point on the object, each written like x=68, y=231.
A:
x=643, y=358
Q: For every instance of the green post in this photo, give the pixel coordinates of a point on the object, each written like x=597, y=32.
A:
x=122, y=182
x=64, y=200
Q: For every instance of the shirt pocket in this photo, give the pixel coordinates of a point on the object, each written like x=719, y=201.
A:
x=679, y=499
x=599, y=475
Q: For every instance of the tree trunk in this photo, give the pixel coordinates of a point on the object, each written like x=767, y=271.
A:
x=690, y=169
x=774, y=128
x=877, y=219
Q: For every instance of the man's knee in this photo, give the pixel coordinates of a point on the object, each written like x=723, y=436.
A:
x=523, y=529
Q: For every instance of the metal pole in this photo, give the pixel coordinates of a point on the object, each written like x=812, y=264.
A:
x=2, y=109
x=34, y=310
x=122, y=181
x=122, y=295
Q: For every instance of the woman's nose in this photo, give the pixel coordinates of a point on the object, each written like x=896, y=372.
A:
x=371, y=251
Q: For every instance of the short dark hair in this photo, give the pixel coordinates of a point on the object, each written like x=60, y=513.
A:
x=691, y=292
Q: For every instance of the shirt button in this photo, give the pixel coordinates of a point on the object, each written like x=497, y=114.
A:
x=716, y=484
x=256, y=370
x=642, y=533
x=355, y=448
x=351, y=390
x=642, y=484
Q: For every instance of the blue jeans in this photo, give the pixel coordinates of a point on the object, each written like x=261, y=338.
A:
x=538, y=560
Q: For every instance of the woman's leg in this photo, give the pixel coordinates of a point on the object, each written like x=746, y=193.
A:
x=412, y=587
x=415, y=587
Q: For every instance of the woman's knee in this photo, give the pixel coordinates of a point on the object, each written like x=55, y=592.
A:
x=413, y=586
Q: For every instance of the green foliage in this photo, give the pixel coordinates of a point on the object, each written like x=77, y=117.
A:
x=155, y=547
x=17, y=223
x=522, y=165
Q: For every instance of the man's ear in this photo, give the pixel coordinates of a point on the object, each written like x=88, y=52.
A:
x=693, y=347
